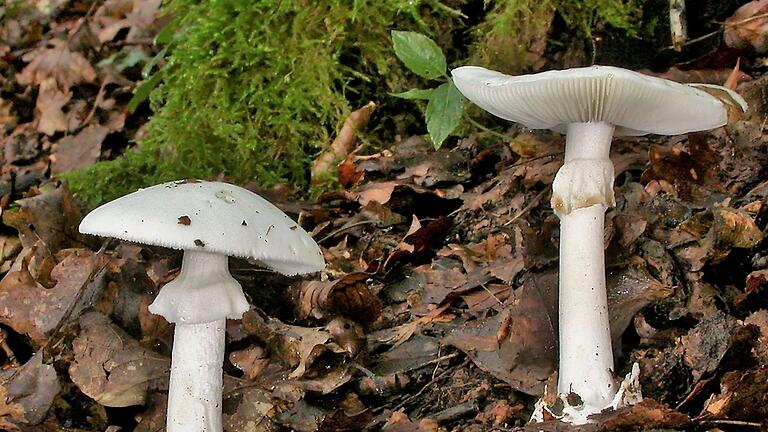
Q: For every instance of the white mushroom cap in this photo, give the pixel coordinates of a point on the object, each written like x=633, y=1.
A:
x=636, y=104
x=208, y=217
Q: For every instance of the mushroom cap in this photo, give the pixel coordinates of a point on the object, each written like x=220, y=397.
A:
x=208, y=217
x=636, y=104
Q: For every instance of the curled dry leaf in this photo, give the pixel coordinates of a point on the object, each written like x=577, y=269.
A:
x=27, y=392
x=66, y=67
x=110, y=366
x=348, y=297
x=343, y=144
x=730, y=229
x=297, y=346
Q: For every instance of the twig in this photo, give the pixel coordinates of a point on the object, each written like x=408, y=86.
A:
x=346, y=228
x=485, y=129
x=732, y=422
x=8, y=351
x=96, y=102
x=722, y=28
x=432, y=382
x=534, y=202
x=677, y=25
x=82, y=20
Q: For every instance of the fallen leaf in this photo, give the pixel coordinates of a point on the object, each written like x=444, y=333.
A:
x=743, y=396
x=251, y=360
x=412, y=354
x=29, y=394
x=348, y=297
x=31, y=309
x=246, y=410
x=50, y=118
x=527, y=356
x=343, y=144
x=66, y=67
x=706, y=344
x=297, y=346
x=138, y=16
x=748, y=27
x=110, y=366
x=643, y=415
x=8, y=118
x=22, y=145
x=78, y=151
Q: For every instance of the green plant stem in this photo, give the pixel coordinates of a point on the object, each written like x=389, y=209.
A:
x=484, y=129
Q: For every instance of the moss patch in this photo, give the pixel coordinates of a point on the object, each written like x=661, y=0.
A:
x=252, y=90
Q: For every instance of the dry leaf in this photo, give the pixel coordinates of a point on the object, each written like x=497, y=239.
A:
x=748, y=27
x=343, y=144
x=50, y=100
x=65, y=67
x=138, y=16
x=110, y=366
x=78, y=151
x=31, y=309
x=251, y=360
x=29, y=394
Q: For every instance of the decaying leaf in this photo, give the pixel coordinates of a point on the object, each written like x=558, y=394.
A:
x=27, y=392
x=743, y=396
x=297, y=346
x=56, y=61
x=343, y=144
x=349, y=297
x=138, y=16
x=49, y=108
x=251, y=360
x=78, y=151
x=748, y=27
x=110, y=366
x=248, y=409
x=31, y=309
x=526, y=357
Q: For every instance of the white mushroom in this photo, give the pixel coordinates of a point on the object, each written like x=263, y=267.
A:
x=209, y=221
x=590, y=105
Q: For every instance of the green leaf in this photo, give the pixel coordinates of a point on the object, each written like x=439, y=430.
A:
x=424, y=94
x=444, y=112
x=147, y=69
x=419, y=53
x=143, y=90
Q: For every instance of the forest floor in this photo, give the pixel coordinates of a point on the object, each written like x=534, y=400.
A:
x=438, y=307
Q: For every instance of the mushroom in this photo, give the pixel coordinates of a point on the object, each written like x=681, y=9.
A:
x=590, y=105
x=209, y=221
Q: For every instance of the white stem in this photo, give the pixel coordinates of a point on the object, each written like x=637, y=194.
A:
x=199, y=301
x=586, y=356
x=194, y=398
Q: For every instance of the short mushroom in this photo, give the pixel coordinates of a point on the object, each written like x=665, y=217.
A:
x=590, y=105
x=209, y=221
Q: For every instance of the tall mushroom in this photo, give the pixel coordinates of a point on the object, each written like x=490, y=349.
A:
x=590, y=105
x=209, y=221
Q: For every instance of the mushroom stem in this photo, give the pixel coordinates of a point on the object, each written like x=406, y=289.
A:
x=199, y=301
x=194, y=396
x=586, y=356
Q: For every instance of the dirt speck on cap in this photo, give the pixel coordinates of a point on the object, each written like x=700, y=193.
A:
x=184, y=220
x=199, y=243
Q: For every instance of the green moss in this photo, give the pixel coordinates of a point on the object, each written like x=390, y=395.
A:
x=514, y=34
x=253, y=89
